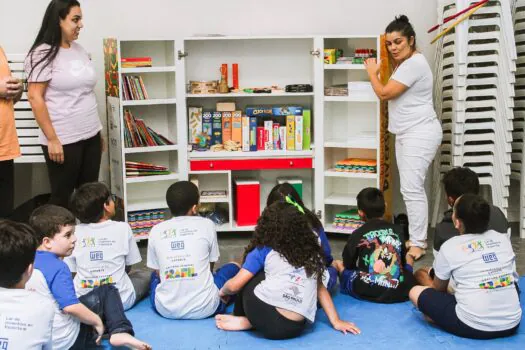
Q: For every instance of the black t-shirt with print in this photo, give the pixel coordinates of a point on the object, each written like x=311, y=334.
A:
x=376, y=252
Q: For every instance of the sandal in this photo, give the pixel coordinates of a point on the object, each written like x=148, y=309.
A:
x=416, y=252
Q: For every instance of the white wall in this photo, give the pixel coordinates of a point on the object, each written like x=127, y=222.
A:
x=21, y=19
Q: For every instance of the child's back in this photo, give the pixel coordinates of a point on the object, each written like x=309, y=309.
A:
x=102, y=252
x=181, y=250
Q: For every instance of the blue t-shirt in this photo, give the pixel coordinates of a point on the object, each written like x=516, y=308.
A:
x=255, y=259
x=327, y=251
x=58, y=278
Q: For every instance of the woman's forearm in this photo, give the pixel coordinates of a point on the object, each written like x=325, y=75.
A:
x=42, y=117
x=377, y=85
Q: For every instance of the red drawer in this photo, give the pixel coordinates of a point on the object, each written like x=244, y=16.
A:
x=251, y=164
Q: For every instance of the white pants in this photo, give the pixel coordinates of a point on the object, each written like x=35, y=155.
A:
x=415, y=150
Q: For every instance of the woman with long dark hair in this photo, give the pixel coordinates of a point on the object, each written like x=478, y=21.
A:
x=413, y=120
x=61, y=81
x=281, y=279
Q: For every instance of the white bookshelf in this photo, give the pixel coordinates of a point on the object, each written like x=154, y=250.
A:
x=342, y=126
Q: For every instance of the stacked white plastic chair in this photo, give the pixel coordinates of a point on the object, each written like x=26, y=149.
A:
x=518, y=163
x=474, y=97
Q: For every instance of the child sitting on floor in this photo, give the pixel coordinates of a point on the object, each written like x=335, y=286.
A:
x=182, y=251
x=279, y=193
x=106, y=249
x=482, y=263
x=75, y=319
x=374, y=265
x=17, y=305
x=280, y=279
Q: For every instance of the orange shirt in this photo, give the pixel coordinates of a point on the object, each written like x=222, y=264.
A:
x=9, y=147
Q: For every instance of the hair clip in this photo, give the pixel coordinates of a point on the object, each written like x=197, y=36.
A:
x=289, y=200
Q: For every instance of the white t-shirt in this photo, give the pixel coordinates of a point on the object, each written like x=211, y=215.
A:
x=284, y=286
x=65, y=327
x=70, y=94
x=483, y=268
x=102, y=252
x=415, y=105
x=26, y=320
x=182, y=249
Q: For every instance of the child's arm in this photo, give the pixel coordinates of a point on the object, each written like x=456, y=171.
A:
x=235, y=284
x=86, y=316
x=350, y=252
x=329, y=308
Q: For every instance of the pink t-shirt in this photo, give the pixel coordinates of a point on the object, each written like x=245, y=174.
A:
x=70, y=95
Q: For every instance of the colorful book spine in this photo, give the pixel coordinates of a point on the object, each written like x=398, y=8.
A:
x=307, y=129
x=276, y=140
x=237, y=127
x=216, y=136
x=246, y=134
x=260, y=138
x=207, y=121
x=282, y=137
x=268, y=135
x=226, y=126
x=298, y=132
x=253, y=134
x=290, y=132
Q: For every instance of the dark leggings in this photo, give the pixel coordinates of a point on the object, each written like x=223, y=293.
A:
x=264, y=317
x=7, y=188
x=81, y=165
x=106, y=303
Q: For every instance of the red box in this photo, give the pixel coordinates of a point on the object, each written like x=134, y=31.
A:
x=247, y=202
x=260, y=138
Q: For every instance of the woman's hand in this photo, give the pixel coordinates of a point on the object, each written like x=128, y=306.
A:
x=372, y=67
x=55, y=151
x=345, y=327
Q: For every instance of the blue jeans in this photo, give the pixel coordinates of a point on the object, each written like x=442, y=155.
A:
x=220, y=277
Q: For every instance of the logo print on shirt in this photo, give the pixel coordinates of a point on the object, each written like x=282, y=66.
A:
x=503, y=281
x=4, y=343
x=78, y=68
x=169, y=233
x=177, y=245
x=96, y=256
x=490, y=257
x=473, y=246
x=88, y=242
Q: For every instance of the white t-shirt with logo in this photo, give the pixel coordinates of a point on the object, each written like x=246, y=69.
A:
x=70, y=94
x=101, y=254
x=181, y=249
x=26, y=320
x=483, y=268
x=284, y=286
x=414, y=106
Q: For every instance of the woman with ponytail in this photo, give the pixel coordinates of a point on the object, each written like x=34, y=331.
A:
x=413, y=120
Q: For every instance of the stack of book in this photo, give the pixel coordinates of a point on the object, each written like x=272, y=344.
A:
x=133, y=88
x=136, y=62
x=142, y=221
x=138, y=134
x=357, y=165
x=136, y=169
x=348, y=221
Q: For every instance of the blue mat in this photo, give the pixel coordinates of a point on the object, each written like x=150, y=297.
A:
x=395, y=326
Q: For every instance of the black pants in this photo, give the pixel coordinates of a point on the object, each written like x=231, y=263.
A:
x=81, y=165
x=106, y=303
x=7, y=188
x=264, y=317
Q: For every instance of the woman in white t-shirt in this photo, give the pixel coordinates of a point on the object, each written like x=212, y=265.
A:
x=281, y=278
x=413, y=120
x=61, y=81
x=481, y=262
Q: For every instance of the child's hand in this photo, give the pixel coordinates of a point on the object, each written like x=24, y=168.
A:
x=345, y=327
x=224, y=297
x=99, y=328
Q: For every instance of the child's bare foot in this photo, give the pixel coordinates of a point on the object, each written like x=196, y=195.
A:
x=129, y=341
x=416, y=252
x=232, y=323
x=339, y=266
x=410, y=260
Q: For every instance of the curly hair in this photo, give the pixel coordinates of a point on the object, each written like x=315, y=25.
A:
x=287, y=231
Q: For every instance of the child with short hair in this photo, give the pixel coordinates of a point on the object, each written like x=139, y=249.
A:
x=457, y=182
x=279, y=193
x=19, y=306
x=482, y=263
x=281, y=278
x=374, y=265
x=75, y=318
x=106, y=249
x=182, y=251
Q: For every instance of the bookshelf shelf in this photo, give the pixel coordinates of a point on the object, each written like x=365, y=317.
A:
x=244, y=94
x=152, y=178
x=150, y=102
x=170, y=69
x=345, y=66
x=249, y=155
x=151, y=149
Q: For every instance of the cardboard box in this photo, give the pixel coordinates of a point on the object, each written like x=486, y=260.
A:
x=245, y=134
x=259, y=111
x=260, y=138
x=290, y=132
x=268, y=135
x=207, y=125
x=225, y=106
x=287, y=110
x=216, y=136
x=247, y=202
x=253, y=134
x=194, y=124
x=298, y=132
x=282, y=137
x=226, y=126
x=237, y=127
x=307, y=129
x=276, y=140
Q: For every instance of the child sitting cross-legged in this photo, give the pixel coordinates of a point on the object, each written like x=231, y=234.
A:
x=374, y=265
x=183, y=251
x=105, y=249
x=19, y=306
x=77, y=321
x=281, y=279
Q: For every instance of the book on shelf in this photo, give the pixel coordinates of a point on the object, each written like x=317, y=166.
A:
x=134, y=169
x=138, y=134
x=133, y=88
x=136, y=62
